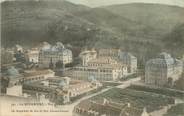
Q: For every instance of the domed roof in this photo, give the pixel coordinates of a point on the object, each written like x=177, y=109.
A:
x=127, y=54
x=12, y=72
x=45, y=46
x=85, y=52
x=59, y=47
x=164, y=55
x=163, y=59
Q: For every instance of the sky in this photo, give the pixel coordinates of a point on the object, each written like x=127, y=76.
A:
x=97, y=3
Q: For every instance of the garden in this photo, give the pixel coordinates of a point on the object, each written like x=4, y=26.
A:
x=137, y=99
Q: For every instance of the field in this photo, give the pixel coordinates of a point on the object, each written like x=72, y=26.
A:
x=137, y=99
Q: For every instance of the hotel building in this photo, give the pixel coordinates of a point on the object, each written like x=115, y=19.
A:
x=163, y=70
x=114, y=53
x=50, y=55
x=127, y=59
x=87, y=55
x=102, y=69
x=63, y=86
x=30, y=76
x=32, y=55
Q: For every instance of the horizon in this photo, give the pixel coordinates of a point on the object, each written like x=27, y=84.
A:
x=102, y=3
x=97, y=3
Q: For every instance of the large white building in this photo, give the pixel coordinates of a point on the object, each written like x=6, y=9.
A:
x=28, y=76
x=114, y=53
x=63, y=86
x=163, y=70
x=101, y=68
x=33, y=55
x=18, y=48
x=50, y=55
x=127, y=59
x=87, y=55
x=14, y=90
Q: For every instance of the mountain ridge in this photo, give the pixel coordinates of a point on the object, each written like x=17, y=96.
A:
x=93, y=27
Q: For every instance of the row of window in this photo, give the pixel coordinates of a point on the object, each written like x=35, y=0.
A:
x=93, y=70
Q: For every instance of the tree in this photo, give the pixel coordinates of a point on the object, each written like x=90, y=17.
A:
x=179, y=84
x=59, y=64
x=6, y=57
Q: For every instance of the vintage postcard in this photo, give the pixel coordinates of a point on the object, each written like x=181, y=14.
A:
x=92, y=58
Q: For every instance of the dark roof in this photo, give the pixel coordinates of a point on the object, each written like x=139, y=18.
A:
x=110, y=108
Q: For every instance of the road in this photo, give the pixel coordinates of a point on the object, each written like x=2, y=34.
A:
x=127, y=83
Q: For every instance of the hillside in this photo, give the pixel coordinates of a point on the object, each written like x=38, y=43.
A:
x=174, y=41
x=143, y=29
x=161, y=17
x=118, y=24
x=30, y=22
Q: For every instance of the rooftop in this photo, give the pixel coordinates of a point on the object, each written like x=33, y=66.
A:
x=55, y=48
x=91, y=52
x=103, y=60
x=109, y=108
x=109, y=50
x=127, y=54
x=164, y=59
x=29, y=73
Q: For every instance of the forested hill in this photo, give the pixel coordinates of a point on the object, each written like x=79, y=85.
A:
x=143, y=29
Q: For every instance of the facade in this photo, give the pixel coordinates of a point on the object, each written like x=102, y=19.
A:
x=31, y=76
x=129, y=60
x=77, y=87
x=62, y=86
x=32, y=55
x=18, y=48
x=163, y=70
x=104, y=108
x=87, y=55
x=50, y=55
x=114, y=53
x=14, y=90
x=102, y=69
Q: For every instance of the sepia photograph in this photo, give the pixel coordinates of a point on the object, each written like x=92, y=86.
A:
x=92, y=58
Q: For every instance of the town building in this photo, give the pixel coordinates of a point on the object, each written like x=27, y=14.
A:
x=77, y=87
x=126, y=58
x=87, y=55
x=104, y=108
x=32, y=55
x=50, y=55
x=102, y=69
x=163, y=70
x=28, y=76
x=14, y=90
x=63, y=86
x=114, y=53
x=129, y=60
x=18, y=48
